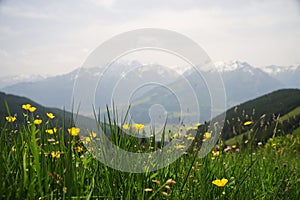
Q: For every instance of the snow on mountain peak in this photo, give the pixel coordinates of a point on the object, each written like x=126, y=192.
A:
x=274, y=69
x=230, y=66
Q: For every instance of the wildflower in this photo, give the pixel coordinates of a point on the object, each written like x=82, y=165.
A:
x=148, y=189
x=87, y=140
x=237, y=150
x=274, y=145
x=215, y=153
x=233, y=146
x=74, y=131
x=13, y=149
x=175, y=135
x=207, y=135
x=50, y=115
x=26, y=106
x=170, y=182
x=198, y=124
x=55, y=154
x=179, y=146
x=227, y=148
x=139, y=127
x=11, y=119
x=191, y=138
x=32, y=109
x=247, y=123
x=37, y=121
x=93, y=134
x=220, y=183
x=126, y=126
x=246, y=141
x=189, y=128
x=79, y=149
x=51, y=131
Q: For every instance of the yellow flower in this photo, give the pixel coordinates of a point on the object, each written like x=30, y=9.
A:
x=247, y=123
x=198, y=124
x=11, y=119
x=246, y=141
x=220, y=183
x=74, y=131
x=273, y=144
x=79, y=149
x=26, y=106
x=139, y=127
x=233, y=146
x=50, y=115
x=55, y=154
x=13, y=149
x=207, y=135
x=215, y=153
x=190, y=138
x=51, y=131
x=32, y=109
x=37, y=121
x=126, y=126
x=93, y=134
x=189, y=128
x=179, y=146
x=87, y=140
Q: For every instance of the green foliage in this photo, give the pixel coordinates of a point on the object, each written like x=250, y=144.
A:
x=38, y=165
x=265, y=111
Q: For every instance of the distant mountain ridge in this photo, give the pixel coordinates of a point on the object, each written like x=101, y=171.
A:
x=242, y=82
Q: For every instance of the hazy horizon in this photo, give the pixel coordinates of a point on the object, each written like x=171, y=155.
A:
x=52, y=38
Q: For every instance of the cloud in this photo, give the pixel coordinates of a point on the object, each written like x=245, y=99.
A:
x=58, y=34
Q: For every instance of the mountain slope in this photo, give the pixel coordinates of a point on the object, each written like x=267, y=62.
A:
x=244, y=82
x=271, y=107
x=15, y=108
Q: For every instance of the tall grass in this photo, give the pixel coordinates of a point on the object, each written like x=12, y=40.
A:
x=37, y=165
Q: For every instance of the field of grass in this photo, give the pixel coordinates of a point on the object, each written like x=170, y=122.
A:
x=40, y=160
x=294, y=112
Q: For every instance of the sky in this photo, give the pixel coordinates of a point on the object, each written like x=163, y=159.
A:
x=55, y=37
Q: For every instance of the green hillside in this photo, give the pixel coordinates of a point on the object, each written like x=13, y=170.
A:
x=15, y=103
x=278, y=110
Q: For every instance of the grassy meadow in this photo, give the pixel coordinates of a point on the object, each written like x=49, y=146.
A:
x=43, y=159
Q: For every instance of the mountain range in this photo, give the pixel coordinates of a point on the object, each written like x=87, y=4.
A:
x=278, y=110
x=242, y=82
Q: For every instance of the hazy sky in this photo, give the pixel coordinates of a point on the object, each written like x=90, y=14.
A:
x=55, y=37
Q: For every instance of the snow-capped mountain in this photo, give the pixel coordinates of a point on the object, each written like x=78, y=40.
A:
x=289, y=75
x=241, y=82
x=275, y=69
x=57, y=91
x=232, y=66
